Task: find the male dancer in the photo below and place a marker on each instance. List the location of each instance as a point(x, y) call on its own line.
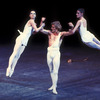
point(21, 42)
point(87, 38)
point(53, 55)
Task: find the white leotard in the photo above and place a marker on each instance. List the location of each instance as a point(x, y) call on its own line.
point(86, 36)
point(24, 37)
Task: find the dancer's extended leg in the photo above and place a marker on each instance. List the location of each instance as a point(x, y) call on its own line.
point(93, 45)
point(18, 49)
point(96, 40)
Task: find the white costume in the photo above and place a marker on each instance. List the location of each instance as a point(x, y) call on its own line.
point(20, 44)
point(88, 38)
point(25, 35)
point(53, 61)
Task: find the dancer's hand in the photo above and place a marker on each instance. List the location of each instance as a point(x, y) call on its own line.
point(43, 19)
point(70, 24)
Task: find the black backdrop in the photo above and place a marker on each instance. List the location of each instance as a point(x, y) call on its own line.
point(15, 14)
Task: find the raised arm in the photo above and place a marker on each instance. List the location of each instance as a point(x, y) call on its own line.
point(42, 20)
point(35, 27)
point(73, 29)
point(44, 31)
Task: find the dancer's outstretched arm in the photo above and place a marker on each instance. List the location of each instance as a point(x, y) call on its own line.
point(35, 27)
point(32, 23)
point(44, 31)
point(73, 29)
point(66, 33)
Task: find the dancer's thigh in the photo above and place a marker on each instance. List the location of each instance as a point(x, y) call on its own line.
point(49, 61)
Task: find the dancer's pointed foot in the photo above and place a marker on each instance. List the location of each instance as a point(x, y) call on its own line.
point(11, 72)
point(7, 72)
point(51, 88)
point(55, 91)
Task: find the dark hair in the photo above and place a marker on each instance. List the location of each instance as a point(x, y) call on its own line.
point(57, 25)
point(81, 10)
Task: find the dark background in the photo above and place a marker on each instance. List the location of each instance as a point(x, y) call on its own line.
point(15, 14)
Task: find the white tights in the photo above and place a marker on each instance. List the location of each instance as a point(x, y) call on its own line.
point(94, 44)
point(18, 50)
point(53, 61)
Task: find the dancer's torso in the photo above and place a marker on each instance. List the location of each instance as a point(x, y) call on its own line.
point(86, 36)
point(54, 40)
point(26, 34)
point(27, 31)
point(82, 28)
point(54, 45)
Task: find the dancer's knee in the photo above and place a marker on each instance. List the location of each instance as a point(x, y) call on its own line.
point(51, 71)
point(55, 72)
point(17, 56)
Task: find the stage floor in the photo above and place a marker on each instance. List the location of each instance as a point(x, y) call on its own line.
point(79, 80)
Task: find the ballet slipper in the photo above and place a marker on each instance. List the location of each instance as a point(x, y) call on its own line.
point(55, 91)
point(11, 72)
point(7, 72)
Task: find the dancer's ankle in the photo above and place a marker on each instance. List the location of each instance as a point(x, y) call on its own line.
point(51, 88)
point(7, 72)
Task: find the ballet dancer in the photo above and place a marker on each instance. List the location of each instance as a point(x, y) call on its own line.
point(21, 42)
point(87, 37)
point(53, 51)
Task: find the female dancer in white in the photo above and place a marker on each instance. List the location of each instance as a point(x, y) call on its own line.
point(21, 42)
point(53, 55)
point(88, 38)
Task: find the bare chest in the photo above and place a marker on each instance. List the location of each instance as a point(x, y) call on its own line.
point(53, 37)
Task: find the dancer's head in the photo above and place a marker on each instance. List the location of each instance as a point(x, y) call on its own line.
point(56, 26)
point(80, 13)
point(32, 14)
